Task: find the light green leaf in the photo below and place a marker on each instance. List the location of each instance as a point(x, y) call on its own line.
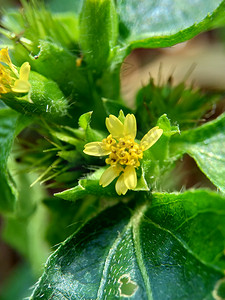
point(169, 248)
point(206, 144)
point(163, 23)
point(70, 155)
point(62, 136)
point(85, 120)
point(88, 186)
point(157, 160)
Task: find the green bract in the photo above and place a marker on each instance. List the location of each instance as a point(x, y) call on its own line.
point(98, 32)
point(44, 98)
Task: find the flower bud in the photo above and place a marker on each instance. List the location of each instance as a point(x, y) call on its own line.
point(98, 31)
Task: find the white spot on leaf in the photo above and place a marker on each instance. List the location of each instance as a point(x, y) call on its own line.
point(127, 287)
point(219, 290)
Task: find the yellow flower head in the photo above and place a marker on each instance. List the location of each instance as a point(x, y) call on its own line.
point(10, 79)
point(124, 153)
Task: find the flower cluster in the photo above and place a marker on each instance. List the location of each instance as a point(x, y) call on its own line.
point(10, 79)
point(124, 153)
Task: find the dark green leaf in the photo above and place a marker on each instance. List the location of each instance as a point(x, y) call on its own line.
point(206, 144)
point(113, 107)
point(65, 217)
point(163, 23)
point(170, 248)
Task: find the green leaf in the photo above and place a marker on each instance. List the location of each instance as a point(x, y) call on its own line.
point(88, 186)
point(163, 23)
point(206, 144)
point(65, 137)
point(93, 135)
point(113, 107)
point(8, 130)
point(57, 63)
point(157, 160)
point(168, 248)
point(85, 120)
point(65, 217)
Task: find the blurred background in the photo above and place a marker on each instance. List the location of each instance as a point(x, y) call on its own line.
point(201, 61)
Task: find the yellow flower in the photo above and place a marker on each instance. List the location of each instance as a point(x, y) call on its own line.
point(10, 79)
point(124, 153)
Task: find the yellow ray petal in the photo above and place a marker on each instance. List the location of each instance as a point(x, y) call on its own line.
point(110, 174)
point(115, 126)
point(120, 185)
point(130, 177)
point(25, 71)
point(151, 137)
point(130, 126)
point(4, 57)
point(21, 86)
point(95, 149)
point(5, 77)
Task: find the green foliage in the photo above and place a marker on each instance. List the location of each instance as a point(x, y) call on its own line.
point(8, 121)
point(69, 77)
point(164, 23)
point(11, 123)
point(147, 244)
point(184, 106)
point(28, 221)
point(206, 145)
point(160, 249)
point(87, 186)
point(21, 280)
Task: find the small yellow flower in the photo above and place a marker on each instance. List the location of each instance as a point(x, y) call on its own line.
point(124, 153)
point(10, 79)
